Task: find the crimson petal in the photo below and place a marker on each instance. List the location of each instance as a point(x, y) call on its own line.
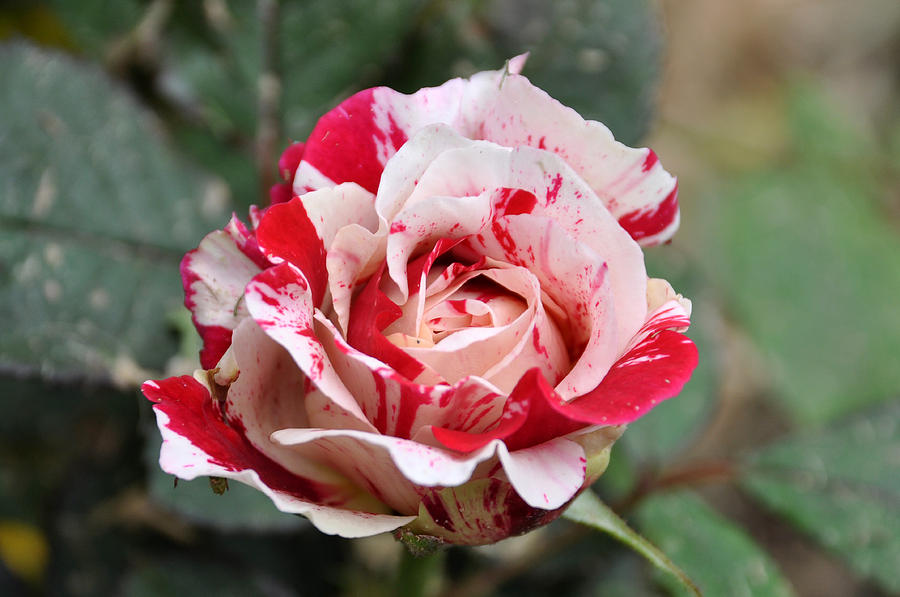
point(287, 232)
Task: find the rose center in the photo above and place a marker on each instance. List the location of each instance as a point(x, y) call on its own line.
point(476, 303)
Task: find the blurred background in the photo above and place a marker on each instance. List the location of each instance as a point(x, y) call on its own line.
point(130, 129)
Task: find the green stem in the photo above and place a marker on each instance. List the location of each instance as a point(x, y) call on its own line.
point(419, 576)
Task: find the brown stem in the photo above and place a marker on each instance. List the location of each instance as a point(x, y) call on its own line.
point(268, 132)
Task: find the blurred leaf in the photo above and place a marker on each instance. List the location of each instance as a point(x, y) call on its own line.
point(719, 556)
point(811, 267)
point(196, 577)
point(33, 21)
point(587, 509)
point(239, 508)
point(601, 57)
point(94, 24)
point(659, 436)
point(327, 51)
point(842, 486)
point(331, 49)
point(95, 214)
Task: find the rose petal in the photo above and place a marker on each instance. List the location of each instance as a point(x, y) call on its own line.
point(354, 141)
point(287, 233)
point(402, 174)
point(399, 407)
point(448, 201)
point(425, 223)
point(281, 303)
point(480, 512)
point(214, 276)
point(333, 208)
point(501, 354)
point(389, 466)
point(660, 292)
point(371, 312)
point(548, 475)
point(631, 182)
point(653, 370)
point(290, 160)
point(355, 254)
point(575, 276)
point(197, 442)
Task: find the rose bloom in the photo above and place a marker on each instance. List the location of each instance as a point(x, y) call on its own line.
point(442, 322)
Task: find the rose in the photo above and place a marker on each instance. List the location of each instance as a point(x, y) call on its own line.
point(445, 328)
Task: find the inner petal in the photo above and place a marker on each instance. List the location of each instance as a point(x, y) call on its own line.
point(509, 300)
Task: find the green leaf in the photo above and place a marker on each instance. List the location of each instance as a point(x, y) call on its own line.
point(330, 49)
point(719, 556)
point(587, 509)
point(809, 265)
point(241, 507)
point(95, 214)
point(327, 50)
point(842, 486)
point(95, 24)
point(600, 57)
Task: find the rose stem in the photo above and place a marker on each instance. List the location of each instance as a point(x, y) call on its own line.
point(419, 576)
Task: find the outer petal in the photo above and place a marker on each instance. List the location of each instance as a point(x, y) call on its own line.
point(548, 475)
point(197, 442)
point(480, 512)
point(654, 369)
point(214, 276)
point(286, 233)
point(354, 141)
point(631, 182)
point(374, 460)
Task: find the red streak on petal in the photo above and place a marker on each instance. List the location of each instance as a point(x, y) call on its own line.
point(437, 510)
point(286, 231)
point(411, 400)
point(245, 239)
point(506, 241)
point(344, 145)
point(380, 421)
point(536, 341)
point(553, 191)
point(216, 341)
point(370, 313)
point(649, 161)
point(515, 201)
point(647, 222)
point(193, 414)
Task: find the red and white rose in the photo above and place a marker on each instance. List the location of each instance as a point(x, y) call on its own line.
point(442, 322)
